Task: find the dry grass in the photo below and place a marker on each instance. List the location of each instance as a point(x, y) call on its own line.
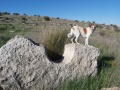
point(53, 39)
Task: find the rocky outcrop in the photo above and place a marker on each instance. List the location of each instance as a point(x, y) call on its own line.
point(24, 65)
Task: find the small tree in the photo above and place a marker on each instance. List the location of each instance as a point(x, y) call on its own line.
point(76, 21)
point(115, 27)
point(16, 14)
point(25, 14)
point(103, 24)
point(57, 18)
point(0, 14)
point(94, 22)
point(111, 24)
point(35, 15)
point(46, 18)
point(38, 15)
point(5, 13)
point(23, 19)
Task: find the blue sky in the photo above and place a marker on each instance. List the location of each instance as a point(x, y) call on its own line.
point(100, 11)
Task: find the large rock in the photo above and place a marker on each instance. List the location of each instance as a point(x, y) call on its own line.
point(25, 66)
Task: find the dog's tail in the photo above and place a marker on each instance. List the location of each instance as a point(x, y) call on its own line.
point(69, 35)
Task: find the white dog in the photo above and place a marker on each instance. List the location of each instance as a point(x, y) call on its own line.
point(85, 32)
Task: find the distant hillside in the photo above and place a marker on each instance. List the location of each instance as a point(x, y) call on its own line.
point(37, 21)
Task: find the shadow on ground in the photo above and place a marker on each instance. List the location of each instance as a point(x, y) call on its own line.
point(105, 62)
point(1, 88)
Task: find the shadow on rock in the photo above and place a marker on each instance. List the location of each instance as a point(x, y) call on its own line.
point(37, 44)
point(53, 56)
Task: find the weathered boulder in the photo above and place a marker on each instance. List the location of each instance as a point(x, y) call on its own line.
point(25, 66)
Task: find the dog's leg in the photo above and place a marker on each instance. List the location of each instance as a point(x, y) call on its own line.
point(86, 41)
point(76, 38)
point(72, 39)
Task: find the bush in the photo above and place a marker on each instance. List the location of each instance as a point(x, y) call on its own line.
point(23, 19)
point(46, 18)
point(5, 13)
point(16, 14)
point(93, 22)
point(38, 15)
point(25, 14)
point(57, 18)
point(102, 33)
point(76, 21)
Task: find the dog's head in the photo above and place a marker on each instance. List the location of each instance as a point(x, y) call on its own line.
point(93, 27)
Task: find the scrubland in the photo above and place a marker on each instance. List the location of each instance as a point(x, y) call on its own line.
point(52, 34)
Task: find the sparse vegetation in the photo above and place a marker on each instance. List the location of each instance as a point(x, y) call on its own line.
point(8, 31)
point(54, 38)
point(5, 13)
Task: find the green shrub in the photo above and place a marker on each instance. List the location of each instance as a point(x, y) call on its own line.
point(93, 22)
point(25, 14)
point(102, 33)
point(46, 18)
point(76, 21)
point(16, 14)
point(23, 18)
point(5, 13)
point(57, 18)
point(38, 15)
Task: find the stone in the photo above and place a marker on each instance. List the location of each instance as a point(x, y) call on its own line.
point(113, 88)
point(24, 65)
